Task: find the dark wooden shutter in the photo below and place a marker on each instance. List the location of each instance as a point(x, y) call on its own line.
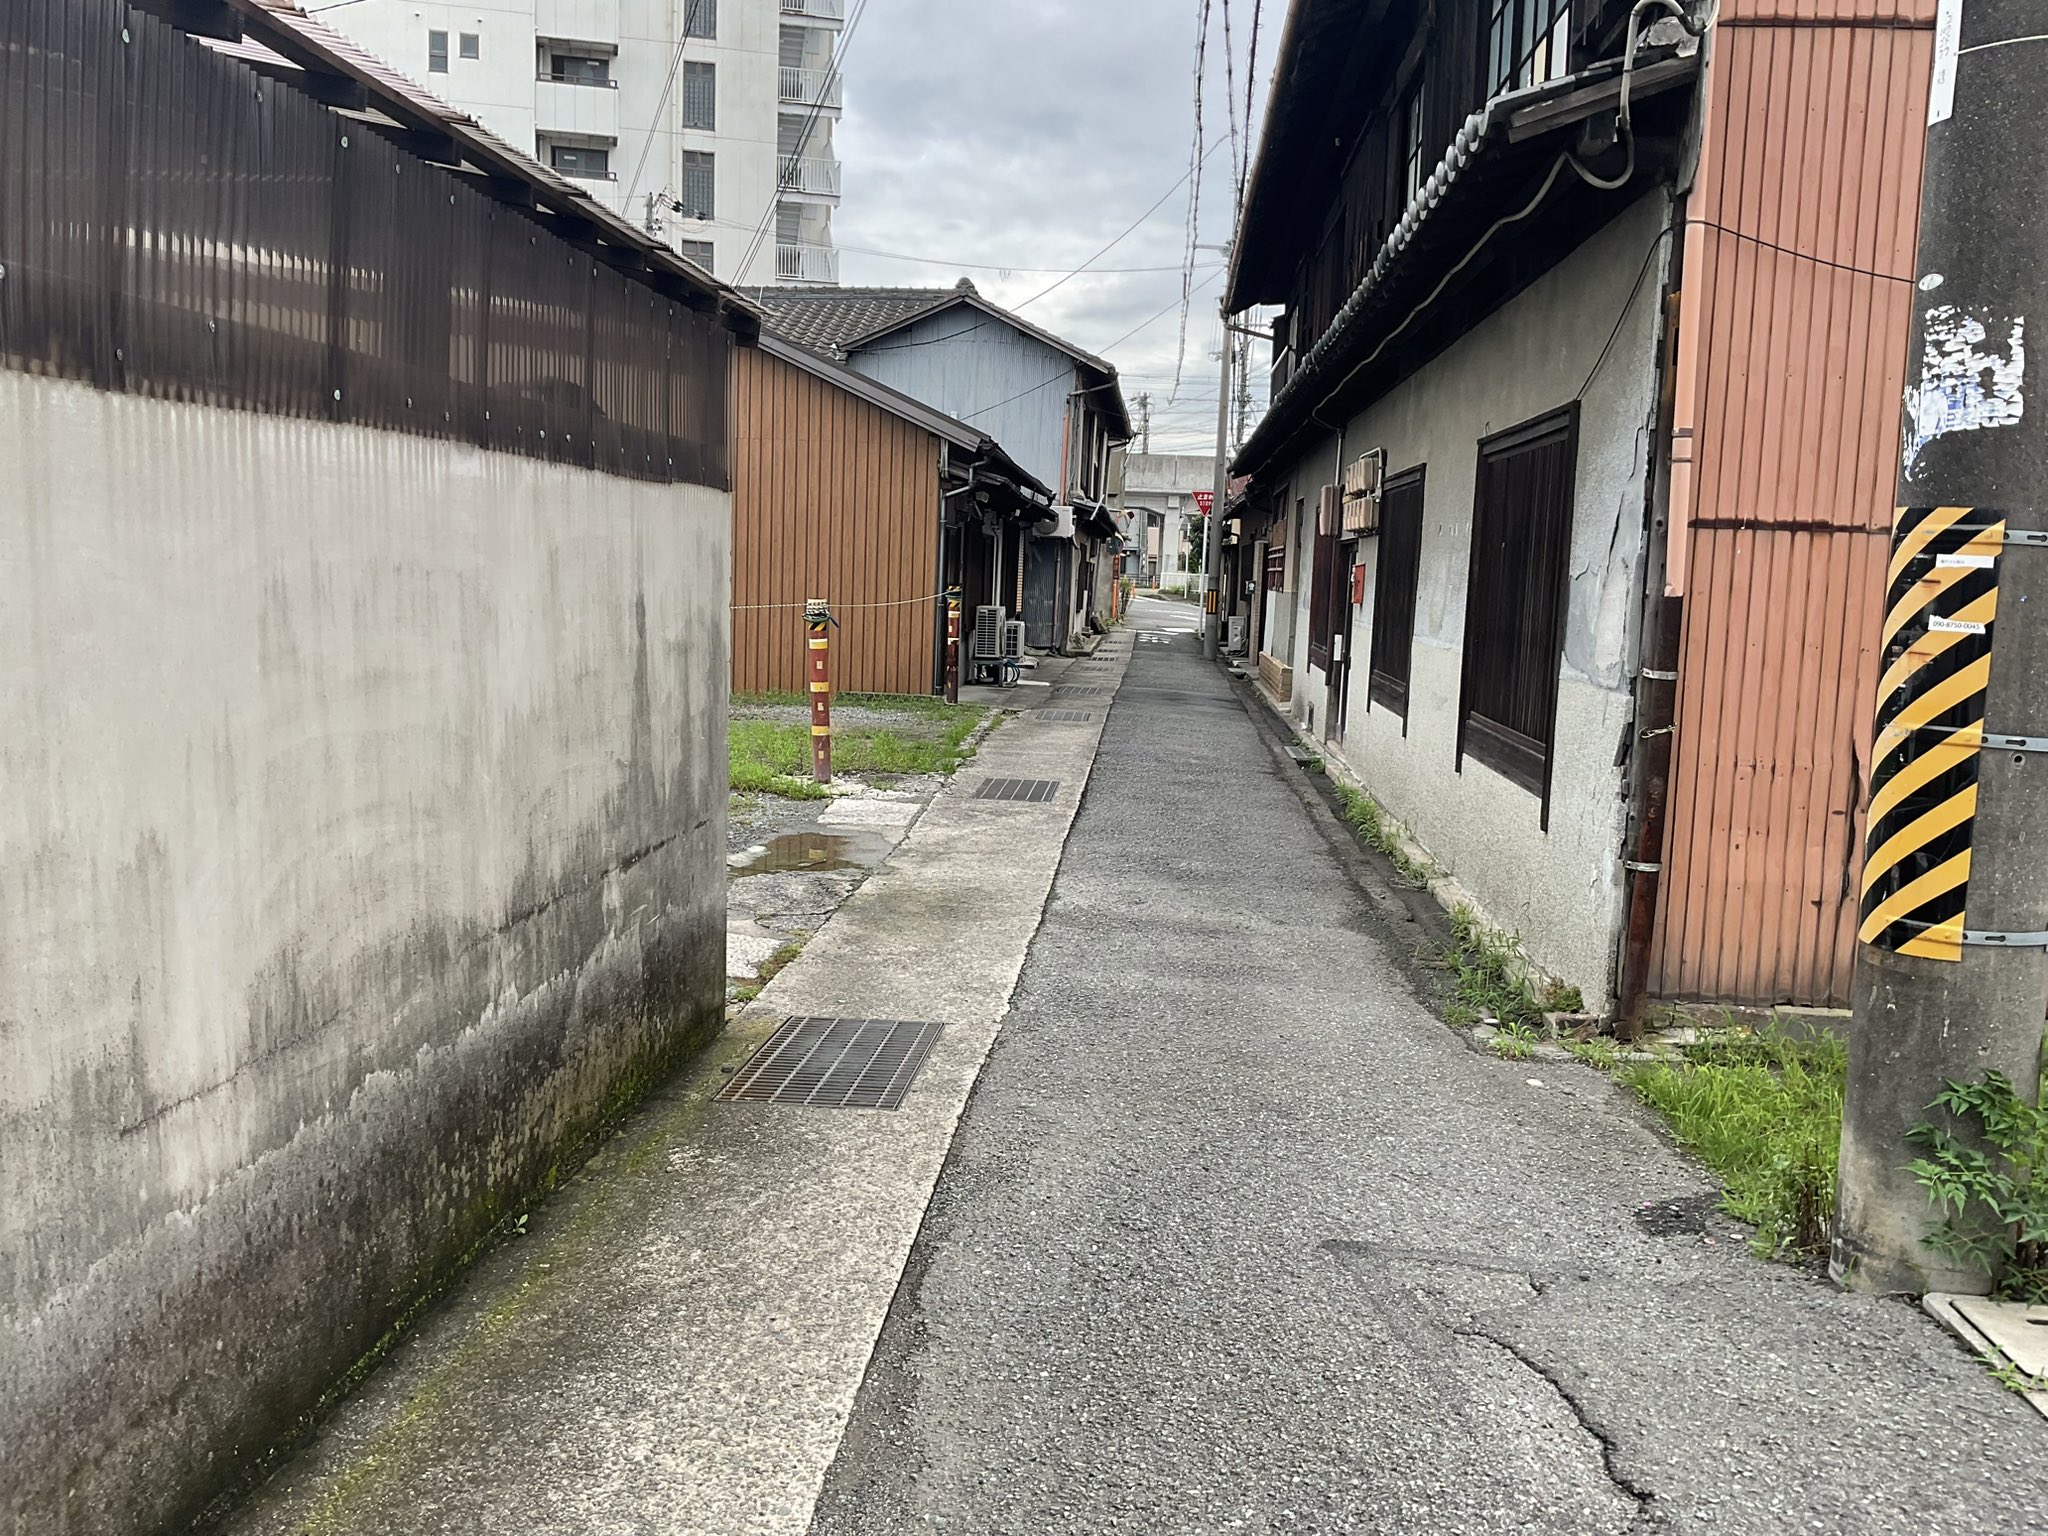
point(1515, 599)
point(1393, 603)
point(1323, 581)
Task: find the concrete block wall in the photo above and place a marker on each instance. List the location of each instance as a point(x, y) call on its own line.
point(363, 847)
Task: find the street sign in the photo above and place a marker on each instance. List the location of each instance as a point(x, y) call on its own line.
point(1203, 501)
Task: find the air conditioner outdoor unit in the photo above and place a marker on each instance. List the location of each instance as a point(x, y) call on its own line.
point(1362, 494)
point(988, 632)
point(1013, 638)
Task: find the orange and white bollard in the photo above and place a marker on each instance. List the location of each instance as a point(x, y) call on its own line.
point(952, 645)
point(818, 620)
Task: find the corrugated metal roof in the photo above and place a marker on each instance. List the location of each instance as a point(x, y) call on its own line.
point(280, 36)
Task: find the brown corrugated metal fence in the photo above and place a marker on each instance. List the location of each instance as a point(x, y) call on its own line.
point(833, 497)
point(1794, 316)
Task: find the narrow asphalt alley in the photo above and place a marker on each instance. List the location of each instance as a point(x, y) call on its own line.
point(1235, 1235)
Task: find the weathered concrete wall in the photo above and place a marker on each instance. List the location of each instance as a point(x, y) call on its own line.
point(362, 845)
point(1559, 890)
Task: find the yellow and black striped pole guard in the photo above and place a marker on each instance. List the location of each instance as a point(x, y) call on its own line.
point(1941, 605)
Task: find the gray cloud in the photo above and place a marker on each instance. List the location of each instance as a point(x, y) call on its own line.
point(996, 133)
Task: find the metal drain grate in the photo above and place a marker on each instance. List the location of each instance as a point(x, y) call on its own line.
point(1027, 791)
point(1079, 692)
point(1067, 716)
point(835, 1064)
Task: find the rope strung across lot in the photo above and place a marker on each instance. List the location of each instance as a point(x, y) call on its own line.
point(901, 602)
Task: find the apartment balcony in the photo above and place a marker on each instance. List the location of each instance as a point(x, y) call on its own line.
point(808, 176)
point(585, 110)
point(831, 12)
point(810, 88)
point(803, 263)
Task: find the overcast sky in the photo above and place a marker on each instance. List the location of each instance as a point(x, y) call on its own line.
point(1017, 136)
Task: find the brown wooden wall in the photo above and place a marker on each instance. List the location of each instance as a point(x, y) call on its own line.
point(1794, 316)
point(835, 498)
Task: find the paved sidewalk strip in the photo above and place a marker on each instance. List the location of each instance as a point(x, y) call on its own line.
point(675, 1348)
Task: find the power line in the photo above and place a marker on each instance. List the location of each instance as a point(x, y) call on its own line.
point(1196, 156)
point(1135, 223)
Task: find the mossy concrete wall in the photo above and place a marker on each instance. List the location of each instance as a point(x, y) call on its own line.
point(363, 846)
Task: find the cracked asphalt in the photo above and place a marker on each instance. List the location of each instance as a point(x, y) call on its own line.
point(1235, 1235)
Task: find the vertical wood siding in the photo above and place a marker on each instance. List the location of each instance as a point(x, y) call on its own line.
point(835, 498)
point(1798, 262)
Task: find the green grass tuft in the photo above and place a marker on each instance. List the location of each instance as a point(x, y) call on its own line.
point(1369, 822)
point(1764, 1111)
point(773, 757)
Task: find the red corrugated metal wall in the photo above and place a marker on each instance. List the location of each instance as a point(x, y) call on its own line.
point(1792, 337)
point(833, 497)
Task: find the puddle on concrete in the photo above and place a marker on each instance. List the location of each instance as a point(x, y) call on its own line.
point(813, 853)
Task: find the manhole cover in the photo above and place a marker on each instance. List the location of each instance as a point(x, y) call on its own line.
point(1031, 791)
point(1067, 716)
point(835, 1064)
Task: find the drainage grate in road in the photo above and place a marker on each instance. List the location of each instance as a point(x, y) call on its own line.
point(835, 1064)
point(1078, 691)
point(1026, 791)
point(1067, 716)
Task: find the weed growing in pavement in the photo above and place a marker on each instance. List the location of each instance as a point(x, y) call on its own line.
point(1599, 1054)
point(1517, 1042)
point(2013, 1379)
point(1764, 1111)
point(746, 992)
point(1369, 822)
point(1991, 1190)
point(1486, 980)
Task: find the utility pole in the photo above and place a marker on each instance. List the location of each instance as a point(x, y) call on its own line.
point(1952, 976)
point(1212, 552)
point(1145, 422)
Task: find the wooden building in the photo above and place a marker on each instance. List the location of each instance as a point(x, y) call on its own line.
point(1570, 513)
point(847, 490)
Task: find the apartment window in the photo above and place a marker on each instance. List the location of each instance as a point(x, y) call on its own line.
point(698, 251)
point(1393, 593)
point(700, 18)
point(437, 53)
point(1515, 599)
point(579, 69)
point(1527, 43)
point(789, 224)
point(1413, 167)
point(581, 161)
point(700, 95)
point(792, 47)
point(471, 45)
point(700, 185)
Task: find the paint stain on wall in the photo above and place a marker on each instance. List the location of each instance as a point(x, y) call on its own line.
point(1962, 387)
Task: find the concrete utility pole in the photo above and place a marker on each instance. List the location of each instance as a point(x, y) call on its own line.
point(1952, 979)
point(1212, 551)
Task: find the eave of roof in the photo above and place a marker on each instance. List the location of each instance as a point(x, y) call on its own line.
point(1317, 47)
point(1525, 124)
point(279, 37)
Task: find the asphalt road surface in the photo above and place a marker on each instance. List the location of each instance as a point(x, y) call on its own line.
point(1235, 1235)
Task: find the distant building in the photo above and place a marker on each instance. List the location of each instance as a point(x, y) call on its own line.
point(707, 122)
point(1057, 411)
point(1162, 494)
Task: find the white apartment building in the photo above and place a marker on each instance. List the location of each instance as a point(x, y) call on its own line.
point(709, 122)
